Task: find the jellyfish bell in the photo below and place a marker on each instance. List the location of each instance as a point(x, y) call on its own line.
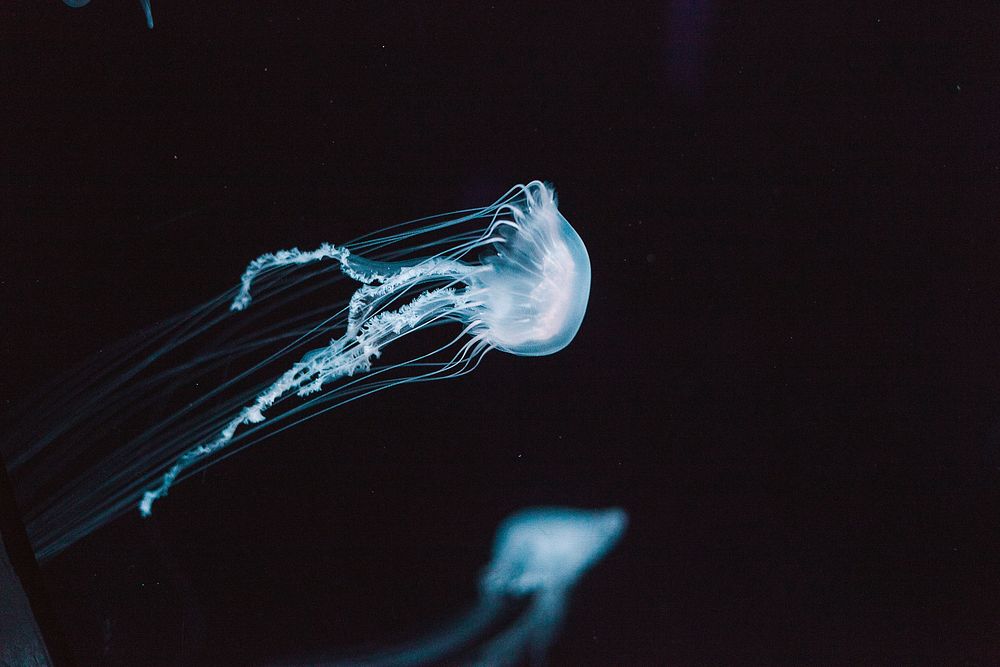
point(538, 285)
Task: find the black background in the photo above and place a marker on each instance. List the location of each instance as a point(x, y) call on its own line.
point(787, 376)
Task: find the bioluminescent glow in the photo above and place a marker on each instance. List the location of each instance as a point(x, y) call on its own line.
point(538, 557)
point(512, 276)
point(146, 9)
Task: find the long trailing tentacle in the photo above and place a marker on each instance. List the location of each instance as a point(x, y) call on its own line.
point(75, 474)
point(273, 260)
point(346, 356)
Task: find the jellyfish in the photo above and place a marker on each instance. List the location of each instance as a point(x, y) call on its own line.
point(512, 276)
point(539, 555)
point(146, 9)
point(527, 298)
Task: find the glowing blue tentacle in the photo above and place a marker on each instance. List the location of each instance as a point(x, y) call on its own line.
point(294, 256)
point(343, 357)
point(364, 300)
point(361, 269)
point(436, 648)
point(532, 633)
point(147, 10)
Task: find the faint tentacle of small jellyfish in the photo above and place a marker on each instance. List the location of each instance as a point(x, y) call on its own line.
point(538, 557)
point(148, 12)
point(520, 285)
point(143, 3)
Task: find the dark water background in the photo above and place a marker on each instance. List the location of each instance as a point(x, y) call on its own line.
point(788, 375)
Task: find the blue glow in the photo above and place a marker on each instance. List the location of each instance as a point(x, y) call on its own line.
point(542, 553)
point(512, 276)
point(539, 555)
point(146, 9)
point(148, 12)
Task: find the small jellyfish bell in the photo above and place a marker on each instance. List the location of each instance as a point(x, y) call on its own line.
point(550, 548)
